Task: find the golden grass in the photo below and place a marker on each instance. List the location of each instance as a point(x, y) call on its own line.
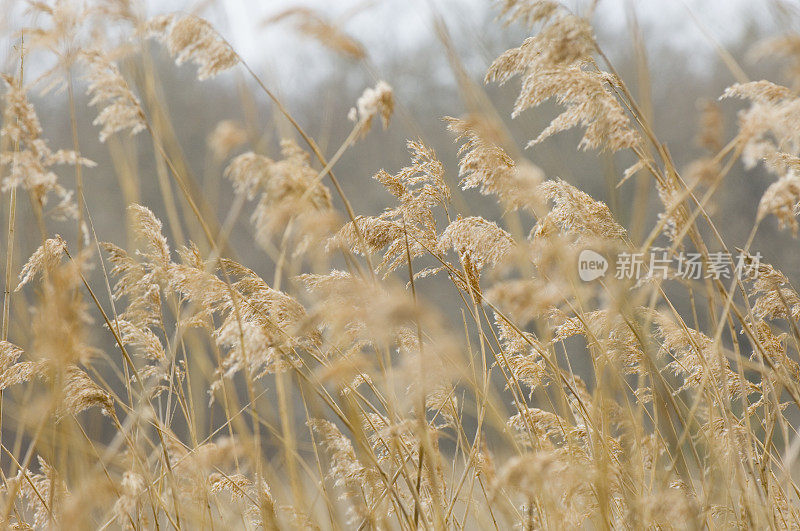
point(337, 394)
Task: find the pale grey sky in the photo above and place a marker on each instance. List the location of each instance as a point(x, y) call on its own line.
point(404, 22)
point(393, 28)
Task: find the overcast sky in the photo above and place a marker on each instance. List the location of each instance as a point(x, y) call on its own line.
point(393, 28)
point(395, 24)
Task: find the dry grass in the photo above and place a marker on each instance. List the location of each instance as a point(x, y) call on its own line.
point(336, 394)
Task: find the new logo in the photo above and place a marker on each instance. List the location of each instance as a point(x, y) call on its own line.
point(591, 265)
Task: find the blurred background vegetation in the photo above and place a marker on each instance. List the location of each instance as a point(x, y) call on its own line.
point(694, 50)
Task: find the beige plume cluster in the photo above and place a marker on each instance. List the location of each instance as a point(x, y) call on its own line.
point(434, 362)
